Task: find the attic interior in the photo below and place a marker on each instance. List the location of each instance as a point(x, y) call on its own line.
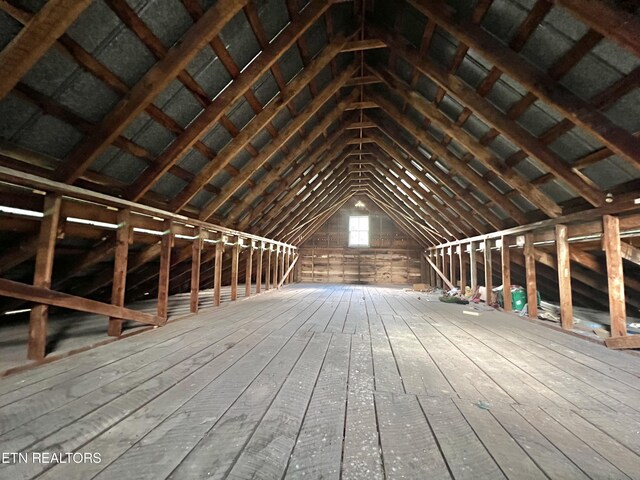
point(303, 167)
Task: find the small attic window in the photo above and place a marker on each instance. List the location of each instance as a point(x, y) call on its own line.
point(358, 231)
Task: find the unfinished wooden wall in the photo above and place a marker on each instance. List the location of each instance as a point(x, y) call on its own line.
point(392, 257)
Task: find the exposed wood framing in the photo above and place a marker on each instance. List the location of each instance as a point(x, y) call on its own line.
point(118, 288)
point(611, 245)
point(564, 276)
point(42, 276)
point(505, 254)
point(532, 285)
point(166, 245)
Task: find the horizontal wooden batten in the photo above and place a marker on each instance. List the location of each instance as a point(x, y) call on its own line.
point(29, 293)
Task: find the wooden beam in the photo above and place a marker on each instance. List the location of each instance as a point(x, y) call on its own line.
point(240, 86)
point(148, 87)
point(473, 264)
point(530, 267)
point(628, 341)
point(274, 280)
point(482, 153)
point(118, 288)
point(289, 270)
point(360, 45)
point(267, 270)
point(166, 244)
point(217, 274)
point(629, 252)
point(39, 316)
point(196, 264)
point(35, 39)
point(539, 83)
point(501, 122)
point(285, 135)
point(564, 276)
point(610, 20)
point(613, 252)
point(439, 272)
point(463, 268)
point(488, 271)
point(259, 261)
point(248, 269)
point(235, 264)
point(29, 293)
point(281, 270)
point(506, 273)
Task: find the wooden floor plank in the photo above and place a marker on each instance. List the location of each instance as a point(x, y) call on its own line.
point(318, 449)
point(463, 451)
point(271, 444)
point(409, 449)
point(332, 381)
point(361, 455)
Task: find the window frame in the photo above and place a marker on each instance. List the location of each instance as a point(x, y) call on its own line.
point(359, 231)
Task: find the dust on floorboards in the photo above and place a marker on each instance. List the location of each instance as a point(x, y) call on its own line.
point(331, 381)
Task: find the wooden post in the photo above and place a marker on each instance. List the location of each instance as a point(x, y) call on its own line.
point(118, 289)
point(463, 267)
point(530, 267)
point(473, 265)
point(452, 265)
point(506, 273)
point(274, 279)
point(165, 266)
point(267, 270)
point(259, 267)
point(248, 268)
point(235, 261)
point(432, 272)
point(613, 251)
point(439, 267)
point(564, 277)
point(488, 270)
point(196, 260)
point(281, 269)
point(445, 265)
point(217, 270)
point(39, 315)
point(288, 264)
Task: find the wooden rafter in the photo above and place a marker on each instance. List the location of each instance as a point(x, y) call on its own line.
point(539, 83)
point(149, 86)
point(35, 39)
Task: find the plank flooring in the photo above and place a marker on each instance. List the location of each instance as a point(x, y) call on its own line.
point(72, 331)
point(329, 382)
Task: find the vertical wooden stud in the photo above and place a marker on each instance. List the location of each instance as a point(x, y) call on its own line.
point(118, 288)
point(564, 277)
point(439, 267)
point(267, 270)
point(432, 272)
point(530, 267)
point(39, 315)
point(288, 264)
point(259, 261)
point(235, 263)
point(217, 270)
point(274, 279)
point(506, 273)
point(488, 270)
point(613, 251)
point(473, 265)
point(248, 269)
point(452, 265)
point(463, 267)
point(166, 244)
point(281, 269)
point(445, 265)
point(196, 260)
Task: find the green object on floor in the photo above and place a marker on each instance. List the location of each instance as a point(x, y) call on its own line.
point(518, 298)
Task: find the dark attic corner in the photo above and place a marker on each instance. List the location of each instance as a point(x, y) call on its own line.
point(349, 239)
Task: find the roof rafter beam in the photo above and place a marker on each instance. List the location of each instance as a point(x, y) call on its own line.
point(536, 196)
point(289, 131)
point(434, 173)
point(242, 83)
point(539, 83)
point(478, 105)
point(35, 39)
point(147, 88)
point(454, 163)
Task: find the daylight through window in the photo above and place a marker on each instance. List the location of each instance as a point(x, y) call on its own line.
point(359, 231)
